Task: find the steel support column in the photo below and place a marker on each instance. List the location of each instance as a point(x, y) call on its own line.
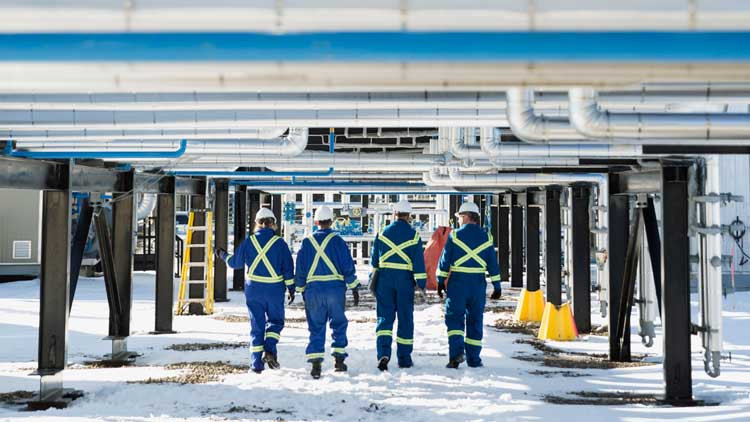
point(365, 224)
point(553, 244)
point(516, 242)
point(454, 203)
point(532, 245)
point(676, 284)
point(276, 208)
point(240, 232)
point(619, 226)
point(165, 256)
point(221, 218)
point(123, 223)
point(254, 204)
point(81, 235)
point(503, 243)
point(581, 257)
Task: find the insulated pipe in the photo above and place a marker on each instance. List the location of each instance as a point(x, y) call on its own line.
point(85, 135)
point(146, 204)
point(654, 128)
point(533, 128)
point(710, 287)
point(491, 145)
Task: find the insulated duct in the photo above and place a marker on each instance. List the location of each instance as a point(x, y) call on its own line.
point(655, 128)
point(146, 205)
point(533, 128)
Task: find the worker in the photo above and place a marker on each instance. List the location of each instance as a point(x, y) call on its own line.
point(270, 270)
point(325, 269)
point(467, 255)
point(398, 259)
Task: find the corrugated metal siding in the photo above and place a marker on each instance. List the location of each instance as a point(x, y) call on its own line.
point(735, 178)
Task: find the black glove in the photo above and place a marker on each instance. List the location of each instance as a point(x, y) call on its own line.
point(290, 296)
point(221, 253)
point(441, 289)
point(355, 295)
point(496, 294)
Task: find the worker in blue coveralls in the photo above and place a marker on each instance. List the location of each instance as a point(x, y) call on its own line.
point(270, 271)
point(468, 254)
point(398, 258)
point(325, 269)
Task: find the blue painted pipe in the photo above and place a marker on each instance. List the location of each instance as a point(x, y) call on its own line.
point(252, 173)
point(383, 46)
point(123, 155)
point(331, 140)
point(315, 183)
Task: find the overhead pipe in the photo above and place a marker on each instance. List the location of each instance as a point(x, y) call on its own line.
point(655, 128)
point(246, 174)
point(97, 135)
point(491, 144)
point(534, 128)
point(112, 155)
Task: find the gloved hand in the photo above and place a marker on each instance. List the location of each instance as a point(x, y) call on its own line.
point(290, 295)
point(421, 296)
point(441, 289)
point(496, 294)
point(355, 295)
point(221, 253)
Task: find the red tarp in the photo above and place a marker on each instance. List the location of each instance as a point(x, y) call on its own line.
point(432, 252)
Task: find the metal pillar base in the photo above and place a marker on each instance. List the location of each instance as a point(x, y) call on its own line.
point(120, 353)
point(51, 392)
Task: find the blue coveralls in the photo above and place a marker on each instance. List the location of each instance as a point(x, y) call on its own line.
point(398, 256)
point(325, 269)
point(467, 255)
point(270, 269)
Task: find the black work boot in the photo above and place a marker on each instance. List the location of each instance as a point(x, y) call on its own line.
point(340, 366)
point(383, 363)
point(454, 362)
point(316, 369)
point(270, 360)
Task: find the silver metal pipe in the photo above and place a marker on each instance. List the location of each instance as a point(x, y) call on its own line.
point(85, 135)
point(491, 145)
point(533, 128)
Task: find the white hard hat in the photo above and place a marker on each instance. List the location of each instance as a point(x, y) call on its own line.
point(468, 207)
point(323, 213)
point(264, 213)
point(402, 206)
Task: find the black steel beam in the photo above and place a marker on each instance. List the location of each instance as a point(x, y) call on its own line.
point(619, 225)
point(516, 241)
point(503, 243)
point(165, 259)
point(478, 199)
point(254, 204)
point(240, 232)
point(532, 246)
point(581, 257)
point(221, 218)
point(276, 208)
point(365, 224)
point(553, 245)
point(81, 235)
point(654, 245)
point(632, 257)
point(676, 284)
point(196, 291)
point(696, 149)
point(106, 258)
point(54, 293)
point(454, 203)
point(123, 218)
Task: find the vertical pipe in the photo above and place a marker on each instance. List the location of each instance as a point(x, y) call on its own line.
point(240, 232)
point(619, 226)
point(503, 247)
point(711, 292)
point(553, 245)
point(532, 245)
point(516, 242)
point(581, 257)
point(676, 284)
point(165, 256)
point(221, 227)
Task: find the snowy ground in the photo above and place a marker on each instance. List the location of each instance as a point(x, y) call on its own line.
point(505, 389)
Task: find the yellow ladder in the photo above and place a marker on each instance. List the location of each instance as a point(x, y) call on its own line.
point(207, 264)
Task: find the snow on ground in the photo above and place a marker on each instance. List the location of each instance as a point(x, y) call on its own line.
point(503, 390)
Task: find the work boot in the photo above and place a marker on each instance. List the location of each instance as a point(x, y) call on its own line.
point(340, 366)
point(383, 363)
point(454, 362)
point(256, 370)
point(316, 369)
point(270, 359)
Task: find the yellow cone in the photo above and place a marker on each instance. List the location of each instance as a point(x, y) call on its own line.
point(530, 306)
point(557, 323)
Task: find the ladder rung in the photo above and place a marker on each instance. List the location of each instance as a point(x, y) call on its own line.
point(197, 245)
point(197, 228)
point(196, 264)
point(195, 281)
point(193, 300)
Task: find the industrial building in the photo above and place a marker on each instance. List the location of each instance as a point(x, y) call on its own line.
point(605, 144)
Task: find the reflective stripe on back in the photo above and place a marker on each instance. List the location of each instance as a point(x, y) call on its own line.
point(321, 254)
point(397, 250)
point(261, 256)
point(471, 253)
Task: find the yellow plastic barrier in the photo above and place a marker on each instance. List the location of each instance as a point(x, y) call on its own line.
point(530, 306)
point(558, 323)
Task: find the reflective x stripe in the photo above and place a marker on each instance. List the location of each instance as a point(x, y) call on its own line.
point(473, 342)
point(261, 256)
point(398, 250)
point(406, 341)
point(321, 254)
point(388, 333)
point(471, 253)
point(271, 334)
point(455, 333)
